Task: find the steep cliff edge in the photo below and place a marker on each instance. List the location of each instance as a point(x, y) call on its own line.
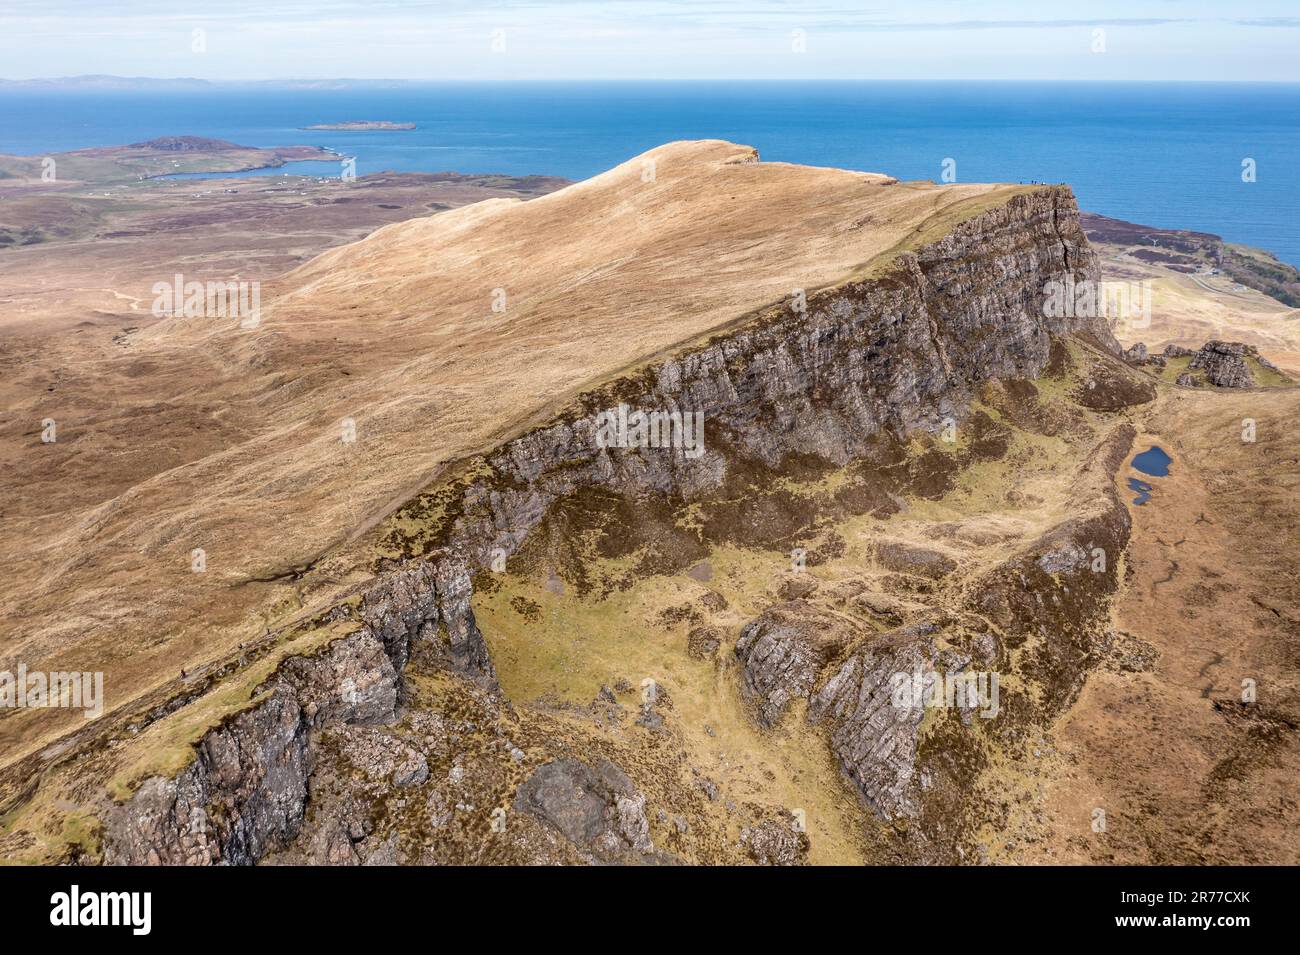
point(827, 380)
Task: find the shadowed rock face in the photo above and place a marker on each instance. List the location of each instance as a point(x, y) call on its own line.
point(902, 352)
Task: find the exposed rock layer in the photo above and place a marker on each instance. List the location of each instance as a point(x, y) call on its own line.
point(246, 790)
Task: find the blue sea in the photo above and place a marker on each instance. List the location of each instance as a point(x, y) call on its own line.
point(1165, 155)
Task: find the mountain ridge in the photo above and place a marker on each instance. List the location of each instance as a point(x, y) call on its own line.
point(1022, 241)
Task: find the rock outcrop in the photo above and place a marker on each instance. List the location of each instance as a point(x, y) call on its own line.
point(776, 842)
point(900, 353)
point(1136, 354)
point(874, 738)
point(245, 792)
point(596, 808)
point(1224, 364)
point(783, 651)
point(873, 691)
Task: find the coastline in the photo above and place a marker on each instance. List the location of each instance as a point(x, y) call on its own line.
point(248, 172)
point(1096, 136)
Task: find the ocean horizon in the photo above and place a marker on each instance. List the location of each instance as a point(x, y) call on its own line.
point(1168, 155)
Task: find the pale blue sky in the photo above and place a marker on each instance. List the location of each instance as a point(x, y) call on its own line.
point(653, 39)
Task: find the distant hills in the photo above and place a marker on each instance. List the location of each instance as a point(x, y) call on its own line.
point(105, 83)
point(183, 84)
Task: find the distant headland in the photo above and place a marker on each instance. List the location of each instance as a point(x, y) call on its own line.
point(363, 124)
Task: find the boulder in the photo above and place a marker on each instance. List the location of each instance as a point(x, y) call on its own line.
point(796, 585)
point(776, 842)
point(595, 807)
point(1136, 354)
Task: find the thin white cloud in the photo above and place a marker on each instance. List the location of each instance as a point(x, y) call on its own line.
point(447, 39)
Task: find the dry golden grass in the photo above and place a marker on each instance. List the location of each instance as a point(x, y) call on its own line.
point(1213, 591)
point(240, 452)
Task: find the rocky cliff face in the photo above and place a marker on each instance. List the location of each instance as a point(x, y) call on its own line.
point(894, 354)
point(246, 791)
point(891, 354)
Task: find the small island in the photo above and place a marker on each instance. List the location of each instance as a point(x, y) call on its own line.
point(363, 125)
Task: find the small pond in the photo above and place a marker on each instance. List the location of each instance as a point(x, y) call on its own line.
point(1153, 462)
point(1143, 490)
